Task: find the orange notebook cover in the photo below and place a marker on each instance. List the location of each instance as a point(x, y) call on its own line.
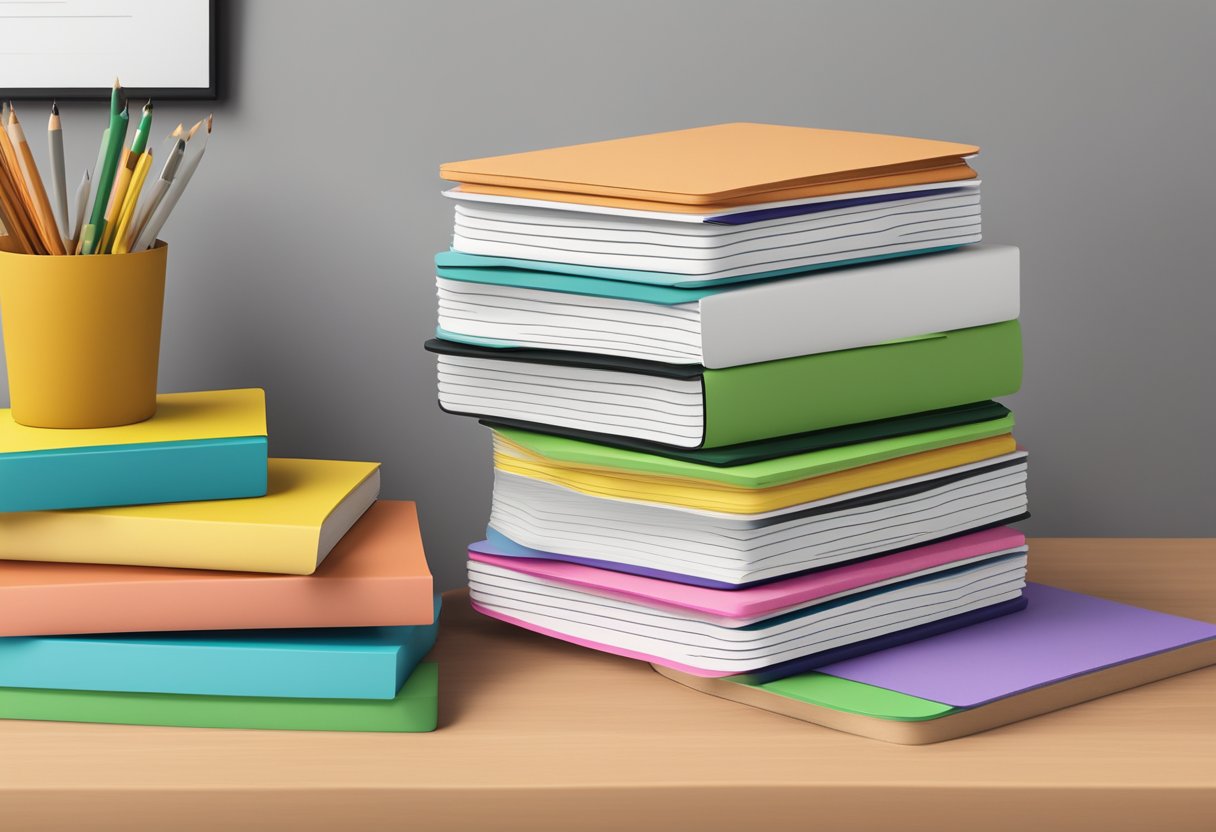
point(377, 575)
point(716, 166)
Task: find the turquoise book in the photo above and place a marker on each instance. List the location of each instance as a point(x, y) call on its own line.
point(331, 663)
point(199, 446)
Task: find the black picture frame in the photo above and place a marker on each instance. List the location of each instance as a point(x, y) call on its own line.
point(208, 93)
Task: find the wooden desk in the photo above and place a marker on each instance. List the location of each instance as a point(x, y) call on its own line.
point(536, 734)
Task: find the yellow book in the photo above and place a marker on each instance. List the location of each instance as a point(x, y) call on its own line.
point(310, 504)
point(706, 495)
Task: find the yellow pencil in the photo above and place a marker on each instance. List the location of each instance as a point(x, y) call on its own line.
point(121, 242)
point(126, 172)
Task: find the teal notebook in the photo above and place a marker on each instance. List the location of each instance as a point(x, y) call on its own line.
point(624, 284)
point(335, 663)
point(198, 446)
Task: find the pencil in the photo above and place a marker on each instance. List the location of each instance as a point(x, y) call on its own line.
point(115, 137)
point(59, 179)
point(11, 215)
point(101, 160)
point(120, 243)
point(82, 204)
point(173, 158)
point(16, 217)
point(43, 212)
point(189, 165)
point(140, 141)
point(126, 175)
point(12, 170)
point(126, 172)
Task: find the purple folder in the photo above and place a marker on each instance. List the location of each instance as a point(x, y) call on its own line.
point(1061, 634)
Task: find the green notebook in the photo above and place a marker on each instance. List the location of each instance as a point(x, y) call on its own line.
point(781, 446)
point(413, 710)
point(690, 407)
point(762, 474)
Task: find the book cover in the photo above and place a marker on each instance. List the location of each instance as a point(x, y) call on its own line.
point(414, 709)
point(332, 663)
point(310, 504)
point(376, 576)
point(199, 446)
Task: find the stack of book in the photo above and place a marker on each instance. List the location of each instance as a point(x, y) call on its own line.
point(740, 384)
point(169, 573)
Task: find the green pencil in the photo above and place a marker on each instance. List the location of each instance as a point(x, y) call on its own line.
point(119, 120)
point(141, 133)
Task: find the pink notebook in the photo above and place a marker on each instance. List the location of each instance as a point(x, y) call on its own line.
point(739, 607)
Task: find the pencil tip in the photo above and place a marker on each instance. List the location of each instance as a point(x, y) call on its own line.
point(54, 108)
point(148, 106)
point(116, 84)
point(210, 117)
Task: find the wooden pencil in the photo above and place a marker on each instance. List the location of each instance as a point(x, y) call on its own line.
point(24, 204)
point(11, 216)
point(43, 213)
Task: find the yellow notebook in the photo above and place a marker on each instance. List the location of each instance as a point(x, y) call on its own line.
point(719, 166)
point(309, 506)
point(687, 492)
point(180, 417)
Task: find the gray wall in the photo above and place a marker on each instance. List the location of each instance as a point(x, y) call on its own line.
point(301, 260)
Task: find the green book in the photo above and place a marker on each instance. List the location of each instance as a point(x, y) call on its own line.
point(413, 710)
point(690, 407)
point(763, 473)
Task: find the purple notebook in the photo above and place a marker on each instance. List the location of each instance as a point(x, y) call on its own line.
point(1061, 634)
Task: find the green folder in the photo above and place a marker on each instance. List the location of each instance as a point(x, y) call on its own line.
point(855, 697)
point(814, 392)
point(413, 710)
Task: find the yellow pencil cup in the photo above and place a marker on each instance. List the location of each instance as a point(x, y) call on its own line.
point(82, 336)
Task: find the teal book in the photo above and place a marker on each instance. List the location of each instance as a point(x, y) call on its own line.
point(199, 446)
point(334, 663)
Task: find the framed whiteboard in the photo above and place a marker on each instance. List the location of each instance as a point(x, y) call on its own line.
point(73, 49)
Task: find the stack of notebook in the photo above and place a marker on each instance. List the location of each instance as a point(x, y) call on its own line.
point(740, 384)
point(169, 573)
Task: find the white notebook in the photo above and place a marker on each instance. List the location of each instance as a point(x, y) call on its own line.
point(717, 250)
point(738, 549)
point(653, 408)
point(747, 323)
point(673, 637)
